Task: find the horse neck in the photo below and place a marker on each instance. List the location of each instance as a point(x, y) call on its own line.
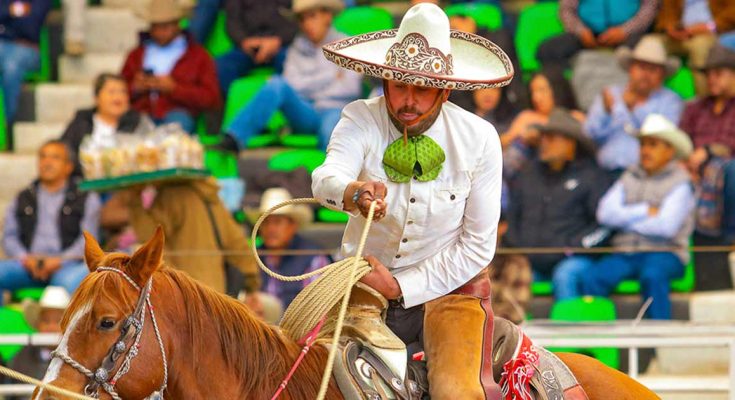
point(259, 361)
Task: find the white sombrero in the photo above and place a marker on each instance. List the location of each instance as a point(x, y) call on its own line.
point(423, 51)
point(300, 213)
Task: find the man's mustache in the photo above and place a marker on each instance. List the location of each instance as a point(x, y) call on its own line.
point(409, 110)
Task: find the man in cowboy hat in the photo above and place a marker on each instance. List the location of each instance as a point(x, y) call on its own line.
point(312, 91)
point(559, 191)
point(434, 172)
point(619, 110)
point(169, 75)
point(650, 206)
point(45, 317)
point(279, 233)
point(710, 122)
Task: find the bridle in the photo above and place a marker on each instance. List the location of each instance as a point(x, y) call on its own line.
point(127, 344)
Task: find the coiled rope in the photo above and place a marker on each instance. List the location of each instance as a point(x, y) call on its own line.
point(316, 300)
point(51, 388)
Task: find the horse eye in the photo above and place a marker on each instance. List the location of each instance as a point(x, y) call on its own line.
point(106, 324)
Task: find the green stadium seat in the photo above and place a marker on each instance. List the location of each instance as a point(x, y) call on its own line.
point(241, 93)
point(363, 19)
point(12, 322)
point(43, 74)
point(300, 141)
point(682, 82)
point(486, 16)
point(289, 160)
point(586, 309)
point(536, 23)
point(3, 124)
point(335, 217)
point(31, 293)
point(221, 164)
point(219, 42)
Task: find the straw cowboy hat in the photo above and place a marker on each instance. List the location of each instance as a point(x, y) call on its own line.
point(649, 49)
point(563, 123)
point(720, 56)
point(300, 6)
point(162, 11)
point(423, 51)
point(658, 126)
point(53, 297)
point(271, 197)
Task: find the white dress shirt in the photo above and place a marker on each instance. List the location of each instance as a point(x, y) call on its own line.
point(436, 235)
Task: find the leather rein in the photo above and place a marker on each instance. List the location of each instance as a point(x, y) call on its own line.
point(127, 345)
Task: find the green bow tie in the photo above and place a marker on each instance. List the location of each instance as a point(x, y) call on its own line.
point(421, 157)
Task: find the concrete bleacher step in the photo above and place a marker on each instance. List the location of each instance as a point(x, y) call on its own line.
point(111, 30)
point(59, 102)
point(29, 136)
point(16, 172)
point(86, 68)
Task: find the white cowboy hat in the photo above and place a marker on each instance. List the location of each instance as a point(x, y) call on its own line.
point(300, 213)
point(53, 297)
point(162, 11)
point(658, 126)
point(423, 51)
point(299, 6)
point(649, 49)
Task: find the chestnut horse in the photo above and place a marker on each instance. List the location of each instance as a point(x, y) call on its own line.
point(198, 344)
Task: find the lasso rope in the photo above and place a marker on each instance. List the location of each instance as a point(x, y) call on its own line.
point(320, 297)
point(51, 388)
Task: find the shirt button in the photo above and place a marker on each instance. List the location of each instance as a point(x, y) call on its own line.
point(413, 200)
point(404, 240)
point(452, 197)
point(398, 256)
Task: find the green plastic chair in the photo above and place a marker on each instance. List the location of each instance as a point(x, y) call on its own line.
point(12, 322)
point(363, 19)
point(682, 82)
point(586, 309)
point(487, 16)
point(289, 160)
point(536, 23)
point(3, 124)
point(43, 74)
point(241, 93)
point(220, 164)
point(685, 284)
point(30, 293)
point(219, 42)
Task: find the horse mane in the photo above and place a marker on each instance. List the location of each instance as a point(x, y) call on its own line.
point(260, 354)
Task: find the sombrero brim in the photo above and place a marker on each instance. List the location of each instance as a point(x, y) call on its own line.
point(301, 214)
point(625, 57)
point(477, 62)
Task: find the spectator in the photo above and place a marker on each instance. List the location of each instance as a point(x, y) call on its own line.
point(194, 220)
point(43, 226)
point(554, 201)
point(312, 90)
point(110, 115)
point(44, 317)
point(170, 77)
point(597, 23)
point(20, 31)
point(710, 122)
point(261, 34)
point(691, 28)
point(548, 89)
point(203, 19)
point(511, 278)
point(650, 206)
point(619, 110)
point(279, 233)
point(494, 107)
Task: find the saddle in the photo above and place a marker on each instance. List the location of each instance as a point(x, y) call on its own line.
point(372, 363)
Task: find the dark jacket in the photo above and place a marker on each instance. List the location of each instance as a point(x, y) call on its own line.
point(670, 12)
point(556, 209)
point(27, 27)
point(83, 125)
point(197, 87)
point(247, 18)
point(290, 266)
point(69, 220)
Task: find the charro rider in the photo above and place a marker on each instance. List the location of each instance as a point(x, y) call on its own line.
point(435, 172)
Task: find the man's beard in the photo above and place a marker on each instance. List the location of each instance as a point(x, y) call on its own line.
point(414, 130)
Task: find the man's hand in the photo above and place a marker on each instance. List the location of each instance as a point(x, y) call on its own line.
point(608, 101)
point(381, 280)
point(165, 83)
point(630, 99)
point(613, 36)
point(677, 34)
point(50, 266)
point(30, 263)
point(369, 192)
point(141, 82)
point(587, 38)
point(269, 47)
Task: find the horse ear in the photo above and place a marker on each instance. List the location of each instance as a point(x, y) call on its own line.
point(93, 253)
point(146, 260)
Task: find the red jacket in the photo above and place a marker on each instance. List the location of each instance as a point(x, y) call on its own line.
point(197, 87)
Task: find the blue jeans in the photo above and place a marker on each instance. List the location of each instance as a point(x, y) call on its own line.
point(203, 18)
point(654, 271)
point(568, 274)
point(728, 217)
point(15, 62)
point(276, 95)
point(237, 63)
point(179, 116)
point(14, 276)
